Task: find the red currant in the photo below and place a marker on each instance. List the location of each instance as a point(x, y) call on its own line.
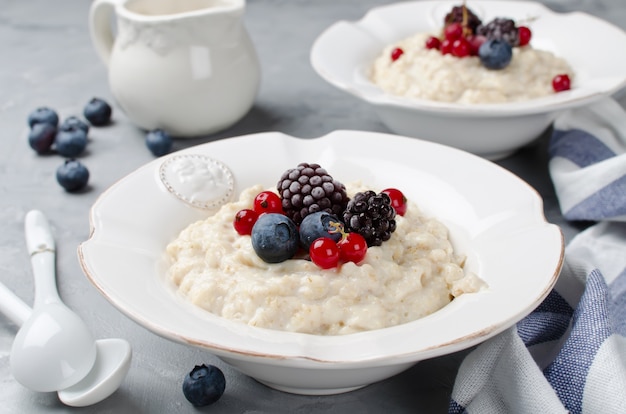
point(352, 248)
point(523, 34)
point(267, 202)
point(244, 221)
point(324, 252)
point(453, 31)
point(561, 83)
point(461, 48)
point(433, 43)
point(475, 43)
point(446, 47)
point(398, 200)
point(396, 53)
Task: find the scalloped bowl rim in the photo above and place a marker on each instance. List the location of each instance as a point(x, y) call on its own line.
point(122, 256)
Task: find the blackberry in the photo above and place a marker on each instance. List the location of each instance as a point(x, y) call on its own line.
point(372, 216)
point(309, 188)
point(463, 15)
point(500, 29)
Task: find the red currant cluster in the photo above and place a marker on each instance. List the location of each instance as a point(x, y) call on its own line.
point(264, 202)
point(325, 252)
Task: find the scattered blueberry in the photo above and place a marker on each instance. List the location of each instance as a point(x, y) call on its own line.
point(275, 237)
point(74, 121)
point(158, 142)
point(495, 54)
point(41, 137)
point(70, 142)
point(72, 175)
point(204, 385)
point(319, 224)
point(43, 115)
point(98, 112)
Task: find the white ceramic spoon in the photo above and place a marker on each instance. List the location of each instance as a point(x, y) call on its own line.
point(54, 350)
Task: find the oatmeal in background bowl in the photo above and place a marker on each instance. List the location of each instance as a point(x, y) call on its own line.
point(456, 99)
point(469, 61)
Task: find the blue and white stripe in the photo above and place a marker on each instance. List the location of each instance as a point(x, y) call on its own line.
point(588, 162)
point(569, 354)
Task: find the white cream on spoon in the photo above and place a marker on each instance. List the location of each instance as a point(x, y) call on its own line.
point(54, 350)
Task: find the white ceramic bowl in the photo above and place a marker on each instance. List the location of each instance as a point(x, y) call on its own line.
point(343, 54)
point(495, 218)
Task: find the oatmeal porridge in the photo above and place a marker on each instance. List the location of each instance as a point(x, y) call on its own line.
point(411, 275)
point(428, 74)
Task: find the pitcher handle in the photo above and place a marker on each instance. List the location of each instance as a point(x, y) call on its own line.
point(100, 27)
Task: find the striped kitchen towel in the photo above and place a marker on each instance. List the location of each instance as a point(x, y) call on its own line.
point(569, 354)
point(588, 162)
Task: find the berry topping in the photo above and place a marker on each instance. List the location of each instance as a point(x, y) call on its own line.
point(396, 53)
point(204, 385)
point(495, 54)
point(43, 115)
point(372, 216)
point(500, 29)
point(324, 252)
point(98, 112)
point(461, 48)
point(524, 34)
point(308, 188)
point(453, 31)
point(71, 141)
point(446, 47)
point(320, 224)
point(561, 83)
point(244, 221)
point(433, 43)
point(72, 175)
point(41, 137)
point(275, 237)
point(463, 15)
point(475, 43)
point(267, 202)
point(158, 142)
point(352, 248)
point(398, 200)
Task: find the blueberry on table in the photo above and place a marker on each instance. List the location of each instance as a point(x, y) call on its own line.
point(41, 137)
point(98, 112)
point(495, 54)
point(275, 237)
point(204, 385)
point(43, 115)
point(71, 141)
point(74, 121)
point(72, 175)
point(158, 142)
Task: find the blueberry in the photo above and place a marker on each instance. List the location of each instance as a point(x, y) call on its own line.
point(98, 112)
point(72, 175)
point(204, 385)
point(275, 237)
point(74, 121)
point(70, 142)
point(43, 115)
point(158, 142)
point(319, 224)
point(41, 137)
point(495, 54)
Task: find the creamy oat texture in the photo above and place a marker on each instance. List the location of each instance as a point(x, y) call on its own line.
point(410, 276)
point(427, 74)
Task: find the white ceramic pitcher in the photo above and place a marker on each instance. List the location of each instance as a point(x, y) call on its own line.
point(185, 66)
